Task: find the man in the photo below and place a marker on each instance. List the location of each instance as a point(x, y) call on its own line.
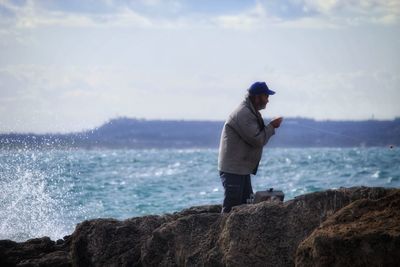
point(242, 140)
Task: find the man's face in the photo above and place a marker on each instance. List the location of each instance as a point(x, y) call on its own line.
point(262, 101)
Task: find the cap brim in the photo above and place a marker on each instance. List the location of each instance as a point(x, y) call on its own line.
point(270, 92)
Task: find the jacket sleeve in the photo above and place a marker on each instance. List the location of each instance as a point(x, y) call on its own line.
point(248, 129)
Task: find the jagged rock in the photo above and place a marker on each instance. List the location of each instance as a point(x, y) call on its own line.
point(34, 252)
point(109, 242)
point(182, 242)
point(53, 259)
point(263, 234)
point(364, 233)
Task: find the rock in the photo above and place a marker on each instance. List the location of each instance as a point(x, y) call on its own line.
point(34, 252)
point(56, 258)
point(183, 242)
point(263, 234)
point(108, 242)
point(364, 233)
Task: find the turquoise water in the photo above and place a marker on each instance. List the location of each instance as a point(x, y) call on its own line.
point(47, 192)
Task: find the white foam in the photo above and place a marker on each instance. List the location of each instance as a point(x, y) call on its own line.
point(32, 199)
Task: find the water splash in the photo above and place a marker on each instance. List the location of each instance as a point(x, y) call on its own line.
point(34, 197)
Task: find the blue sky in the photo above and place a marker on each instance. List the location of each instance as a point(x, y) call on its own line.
point(72, 65)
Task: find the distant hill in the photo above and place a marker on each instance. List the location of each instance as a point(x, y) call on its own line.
point(135, 133)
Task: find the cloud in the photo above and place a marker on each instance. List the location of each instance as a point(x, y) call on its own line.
point(249, 19)
point(313, 14)
point(33, 15)
point(343, 12)
point(56, 98)
point(176, 14)
point(336, 95)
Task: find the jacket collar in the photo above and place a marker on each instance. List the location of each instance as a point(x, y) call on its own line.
point(250, 105)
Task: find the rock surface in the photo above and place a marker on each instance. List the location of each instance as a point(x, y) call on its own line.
point(364, 233)
point(263, 234)
point(35, 252)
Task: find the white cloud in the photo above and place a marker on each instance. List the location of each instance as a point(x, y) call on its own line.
point(313, 14)
point(33, 15)
point(248, 19)
point(321, 6)
point(298, 13)
point(311, 23)
point(125, 18)
point(355, 12)
point(340, 95)
point(54, 98)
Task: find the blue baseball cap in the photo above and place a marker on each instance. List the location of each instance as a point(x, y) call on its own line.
point(259, 88)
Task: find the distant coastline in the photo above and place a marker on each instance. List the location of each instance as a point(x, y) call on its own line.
point(139, 133)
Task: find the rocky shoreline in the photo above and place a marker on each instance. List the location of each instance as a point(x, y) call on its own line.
point(357, 226)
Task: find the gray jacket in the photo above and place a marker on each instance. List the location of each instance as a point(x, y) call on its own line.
point(242, 140)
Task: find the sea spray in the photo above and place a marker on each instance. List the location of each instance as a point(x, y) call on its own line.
point(34, 196)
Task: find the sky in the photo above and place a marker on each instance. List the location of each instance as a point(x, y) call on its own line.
point(71, 65)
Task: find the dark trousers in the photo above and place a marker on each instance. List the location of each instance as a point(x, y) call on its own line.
point(237, 189)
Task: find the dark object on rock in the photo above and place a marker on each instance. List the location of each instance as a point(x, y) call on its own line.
point(263, 234)
point(268, 195)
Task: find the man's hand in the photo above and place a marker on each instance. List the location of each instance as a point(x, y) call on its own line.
point(276, 122)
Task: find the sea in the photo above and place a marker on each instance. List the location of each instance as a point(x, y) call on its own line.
point(47, 192)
